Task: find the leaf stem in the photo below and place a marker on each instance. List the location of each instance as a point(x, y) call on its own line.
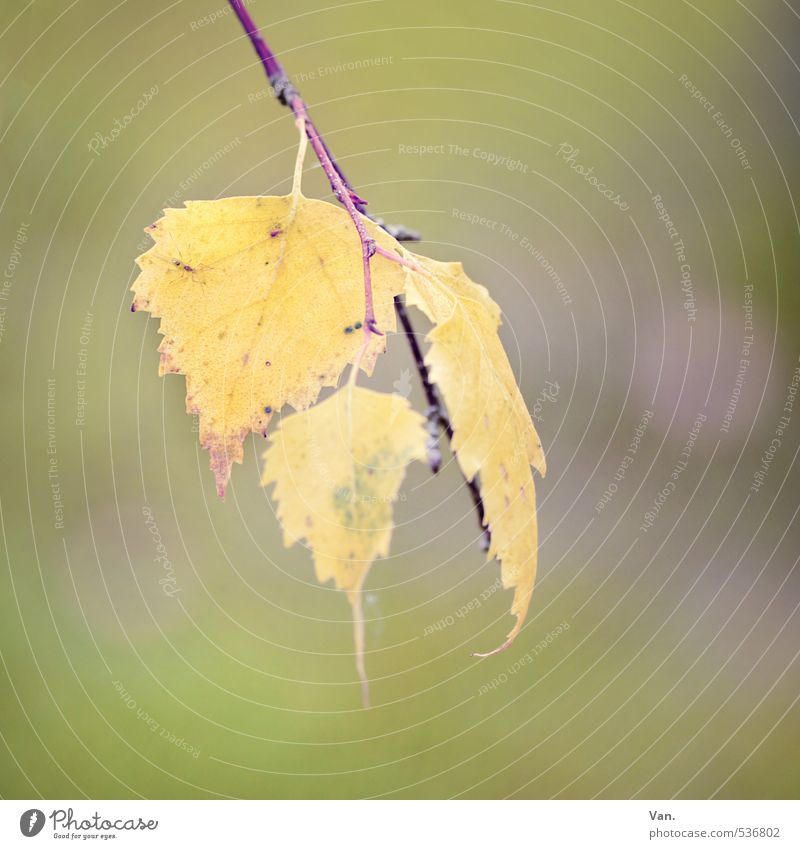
point(358, 638)
point(297, 179)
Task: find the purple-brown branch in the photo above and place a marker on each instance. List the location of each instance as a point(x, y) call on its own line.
point(288, 95)
point(438, 419)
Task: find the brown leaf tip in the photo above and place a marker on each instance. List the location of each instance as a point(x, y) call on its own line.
point(221, 467)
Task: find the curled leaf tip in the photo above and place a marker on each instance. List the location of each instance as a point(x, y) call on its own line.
point(499, 649)
point(507, 644)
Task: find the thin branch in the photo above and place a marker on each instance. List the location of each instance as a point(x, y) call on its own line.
point(288, 95)
point(437, 418)
point(434, 412)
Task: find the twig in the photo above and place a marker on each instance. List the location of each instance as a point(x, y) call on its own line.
point(356, 206)
point(434, 413)
point(437, 418)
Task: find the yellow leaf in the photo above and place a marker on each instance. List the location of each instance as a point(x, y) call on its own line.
point(493, 434)
point(337, 469)
point(261, 301)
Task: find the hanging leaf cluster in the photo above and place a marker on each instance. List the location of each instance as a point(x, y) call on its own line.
point(261, 304)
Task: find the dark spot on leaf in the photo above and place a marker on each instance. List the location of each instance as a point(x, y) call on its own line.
point(133, 307)
point(358, 325)
point(176, 262)
point(267, 363)
point(348, 329)
point(275, 233)
point(268, 410)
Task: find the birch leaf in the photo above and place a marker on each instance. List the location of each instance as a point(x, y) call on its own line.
point(261, 301)
point(337, 470)
point(493, 434)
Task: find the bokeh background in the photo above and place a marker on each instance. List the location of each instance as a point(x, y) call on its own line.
point(660, 658)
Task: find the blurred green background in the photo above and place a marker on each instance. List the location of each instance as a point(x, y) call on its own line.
point(677, 674)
